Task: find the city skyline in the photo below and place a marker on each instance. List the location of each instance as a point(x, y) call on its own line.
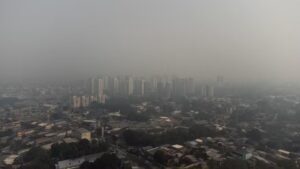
point(172, 84)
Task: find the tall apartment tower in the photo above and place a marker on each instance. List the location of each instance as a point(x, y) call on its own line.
point(100, 91)
point(179, 89)
point(92, 87)
point(100, 87)
point(76, 102)
point(189, 86)
point(130, 86)
point(154, 83)
point(142, 87)
point(139, 87)
point(116, 86)
point(208, 91)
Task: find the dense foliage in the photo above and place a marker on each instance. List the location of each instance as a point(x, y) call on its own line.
point(172, 136)
point(73, 150)
point(38, 158)
point(107, 161)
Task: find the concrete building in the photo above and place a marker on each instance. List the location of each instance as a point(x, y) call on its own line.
point(82, 133)
point(92, 88)
point(85, 101)
point(129, 86)
point(100, 91)
point(139, 87)
point(100, 87)
point(189, 86)
point(116, 85)
point(208, 91)
point(76, 102)
point(179, 89)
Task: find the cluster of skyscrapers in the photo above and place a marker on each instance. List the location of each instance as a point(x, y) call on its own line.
point(101, 88)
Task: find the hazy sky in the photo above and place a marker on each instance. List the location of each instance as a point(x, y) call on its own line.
point(239, 39)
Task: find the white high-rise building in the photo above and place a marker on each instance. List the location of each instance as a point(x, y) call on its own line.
point(100, 87)
point(85, 101)
point(76, 102)
point(101, 96)
point(101, 99)
point(130, 86)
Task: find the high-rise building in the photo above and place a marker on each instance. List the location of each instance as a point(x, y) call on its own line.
point(160, 88)
point(101, 96)
point(154, 83)
point(81, 101)
point(85, 101)
point(116, 89)
point(142, 87)
point(110, 86)
point(106, 82)
point(139, 87)
point(93, 99)
point(122, 86)
point(102, 99)
point(148, 88)
point(100, 87)
point(220, 88)
point(167, 90)
point(178, 87)
point(130, 86)
point(208, 91)
point(92, 86)
point(76, 102)
point(189, 86)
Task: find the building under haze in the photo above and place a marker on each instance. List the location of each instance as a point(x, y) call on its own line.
point(179, 89)
point(101, 95)
point(92, 87)
point(129, 86)
point(116, 86)
point(139, 87)
point(76, 102)
point(208, 91)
